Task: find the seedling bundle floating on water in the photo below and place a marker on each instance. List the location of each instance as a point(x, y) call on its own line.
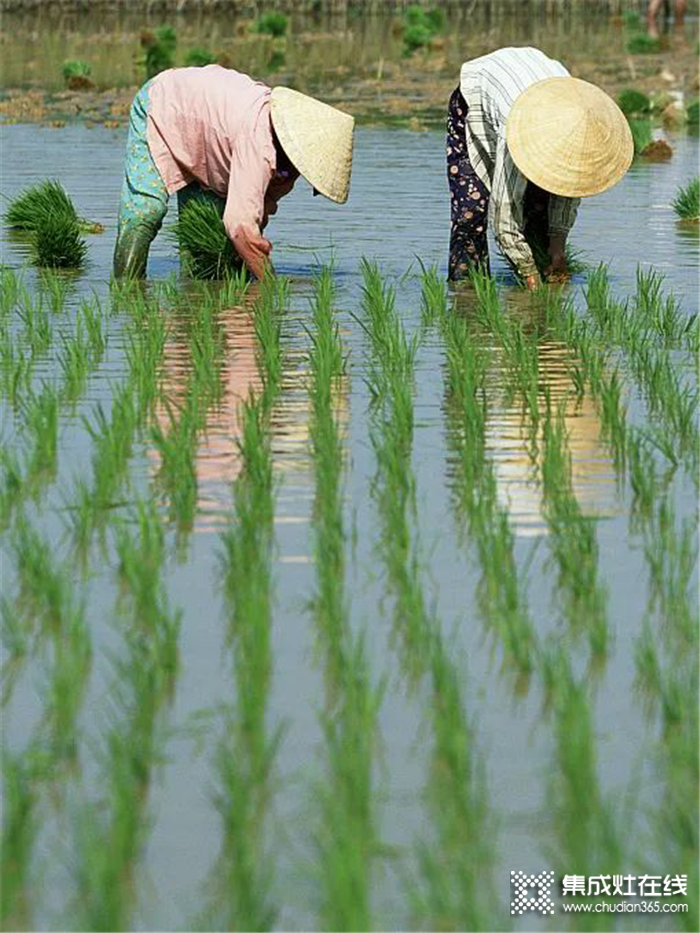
point(205, 249)
point(687, 202)
point(48, 215)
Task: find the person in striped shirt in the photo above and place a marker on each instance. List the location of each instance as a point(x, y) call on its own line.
point(525, 141)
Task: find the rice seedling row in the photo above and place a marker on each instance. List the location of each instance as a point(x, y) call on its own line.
point(247, 748)
point(111, 831)
point(452, 885)
point(346, 837)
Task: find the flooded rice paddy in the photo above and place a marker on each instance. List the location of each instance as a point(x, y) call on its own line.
point(309, 620)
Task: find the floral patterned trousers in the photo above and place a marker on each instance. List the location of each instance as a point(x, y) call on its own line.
point(469, 197)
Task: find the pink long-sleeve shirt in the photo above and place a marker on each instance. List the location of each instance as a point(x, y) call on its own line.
point(212, 125)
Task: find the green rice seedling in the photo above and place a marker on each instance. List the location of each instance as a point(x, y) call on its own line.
point(91, 317)
point(671, 554)
point(40, 413)
point(631, 19)
point(38, 207)
point(641, 133)
point(55, 286)
point(455, 890)
point(206, 249)
point(686, 203)
point(59, 244)
point(641, 43)
point(177, 449)
point(37, 326)
point(243, 878)
point(643, 475)
point(233, 290)
point(631, 100)
point(572, 541)
point(12, 487)
point(10, 289)
point(433, 296)
point(693, 113)
point(111, 835)
point(46, 593)
point(65, 691)
point(589, 839)
point(346, 840)
point(80, 514)
point(199, 57)
point(160, 50)
point(19, 833)
point(74, 361)
point(15, 371)
point(141, 562)
point(112, 443)
point(326, 366)
point(272, 24)
point(267, 321)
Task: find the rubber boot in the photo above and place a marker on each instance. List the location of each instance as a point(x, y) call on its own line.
point(131, 251)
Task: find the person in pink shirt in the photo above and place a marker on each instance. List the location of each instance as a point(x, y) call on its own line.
point(212, 132)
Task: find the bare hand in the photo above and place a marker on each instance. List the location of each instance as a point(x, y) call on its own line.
point(532, 281)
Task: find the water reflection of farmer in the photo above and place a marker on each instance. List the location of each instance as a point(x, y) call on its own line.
point(214, 130)
point(527, 141)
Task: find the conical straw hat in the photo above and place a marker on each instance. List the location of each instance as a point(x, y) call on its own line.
point(569, 137)
point(317, 138)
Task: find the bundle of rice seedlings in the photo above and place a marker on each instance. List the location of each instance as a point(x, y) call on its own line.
point(58, 243)
point(32, 209)
point(421, 26)
point(205, 249)
point(199, 57)
point(271, 24)
point(76, 74)
point(693, 113)
point(160, 50)
point(643, 44)
point(633, 101)
point(687, 202)
point(641, 135)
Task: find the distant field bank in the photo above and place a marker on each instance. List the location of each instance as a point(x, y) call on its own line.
point(310, 6)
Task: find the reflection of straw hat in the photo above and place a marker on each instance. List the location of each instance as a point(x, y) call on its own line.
point(317, 138)
point(569, 137)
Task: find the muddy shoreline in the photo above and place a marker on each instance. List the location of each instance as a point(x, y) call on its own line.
point(413, 99)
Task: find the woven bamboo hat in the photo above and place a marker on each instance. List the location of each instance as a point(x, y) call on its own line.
point(569, 137)
point(317, 138)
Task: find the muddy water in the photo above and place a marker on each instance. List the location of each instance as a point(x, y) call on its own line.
point(397, 212)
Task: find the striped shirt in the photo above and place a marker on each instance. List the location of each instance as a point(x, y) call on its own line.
point(490, 86)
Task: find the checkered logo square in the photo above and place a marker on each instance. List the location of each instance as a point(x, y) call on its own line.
point(531, 892)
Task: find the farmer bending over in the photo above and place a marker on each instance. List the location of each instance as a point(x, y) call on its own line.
point(528, 140)
point(216, 133)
